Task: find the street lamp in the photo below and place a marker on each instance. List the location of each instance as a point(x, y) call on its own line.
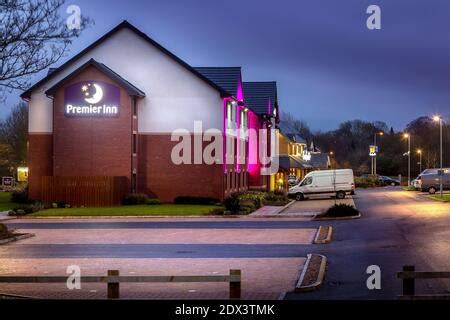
point(420, 160)
point(374, 158)
point(439, 119)
point(408, 136)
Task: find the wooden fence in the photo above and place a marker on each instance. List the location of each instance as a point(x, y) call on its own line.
point(409, 276)
point(84, 191)
point(113, 280)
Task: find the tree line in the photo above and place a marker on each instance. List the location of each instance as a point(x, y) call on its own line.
point(350, 142)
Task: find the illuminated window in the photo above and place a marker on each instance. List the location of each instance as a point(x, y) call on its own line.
point(134, 107)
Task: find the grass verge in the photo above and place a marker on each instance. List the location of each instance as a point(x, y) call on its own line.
point(137, 210)
point(5, 202)
point(445, 197)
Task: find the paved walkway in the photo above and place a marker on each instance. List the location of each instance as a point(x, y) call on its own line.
point(270, 253)
point(312, 207)
point(4, 216)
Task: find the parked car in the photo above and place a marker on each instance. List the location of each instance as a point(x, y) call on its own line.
point(327, 183)
point(431, 182)
point(292, 180)
point(388, 181)
point(416, 182)
point(434, 170)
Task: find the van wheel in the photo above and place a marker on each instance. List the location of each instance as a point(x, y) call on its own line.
point(299, 197)
point(340, 195)
point(432, 190)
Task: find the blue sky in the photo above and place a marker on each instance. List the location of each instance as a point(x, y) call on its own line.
point(328, 65)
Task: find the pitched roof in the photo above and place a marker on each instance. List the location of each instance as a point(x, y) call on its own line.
point(258, 94)
point(287, 162)
point(291, 132)
point(226, 78)
point(122, 25)
point(320, 160)
point(131, 89)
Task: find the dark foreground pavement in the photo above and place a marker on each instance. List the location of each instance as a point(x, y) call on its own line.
point(397, 228)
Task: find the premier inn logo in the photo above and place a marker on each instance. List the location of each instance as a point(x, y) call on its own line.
point(91, 99)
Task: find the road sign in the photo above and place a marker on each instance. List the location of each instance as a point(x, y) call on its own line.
point(8, 181)
point(373, 151)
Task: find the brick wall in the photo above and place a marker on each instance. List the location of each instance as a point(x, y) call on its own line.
point(92, 146)
point(40, 162)
point(160, 177)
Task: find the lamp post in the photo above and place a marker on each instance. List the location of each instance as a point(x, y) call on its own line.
point(420, 160)
point(408, 136)
point(439, 119)
point(374, 162)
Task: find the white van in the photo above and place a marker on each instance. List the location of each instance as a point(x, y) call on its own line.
point(327, 183)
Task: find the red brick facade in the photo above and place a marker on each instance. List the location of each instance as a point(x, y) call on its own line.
point(92, 146)
point(40, 155)
point(159, 176)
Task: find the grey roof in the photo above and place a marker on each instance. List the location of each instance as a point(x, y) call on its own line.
point(291, 132)
point(258, 94)
point(319, 160)
point(287, 162)
point(226, 78)
point(131, 89)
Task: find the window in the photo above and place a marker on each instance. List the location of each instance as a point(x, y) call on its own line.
point(134, 107)
point(307, 181)
point(231, 114)
point(134, 143)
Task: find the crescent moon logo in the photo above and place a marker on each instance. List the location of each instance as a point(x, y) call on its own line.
point(97, 96)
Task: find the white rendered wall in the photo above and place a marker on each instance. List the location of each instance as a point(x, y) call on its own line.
point(175, 97)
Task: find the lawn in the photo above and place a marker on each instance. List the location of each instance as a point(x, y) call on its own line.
point(5, 201)
point(446, 197)
point(137, 210)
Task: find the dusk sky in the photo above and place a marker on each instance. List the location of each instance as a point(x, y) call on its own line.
point(328, 65)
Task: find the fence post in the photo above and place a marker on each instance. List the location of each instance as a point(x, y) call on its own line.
point(235, 284)
point(113, 287)
point(409, 283)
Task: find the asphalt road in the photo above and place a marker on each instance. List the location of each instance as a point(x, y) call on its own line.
point(397, 228)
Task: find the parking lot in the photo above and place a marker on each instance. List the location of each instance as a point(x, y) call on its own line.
point(314, 206)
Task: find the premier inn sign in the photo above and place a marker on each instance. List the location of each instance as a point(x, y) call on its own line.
point(91, 99)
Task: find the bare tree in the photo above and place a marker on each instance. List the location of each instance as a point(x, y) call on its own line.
point(13, 138)
point(33, 36)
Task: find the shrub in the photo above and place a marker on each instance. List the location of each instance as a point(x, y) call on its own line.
point(247, 207)
point(367, 182)
point(231, 203)
point(256, 197)
point(135, 198)
point(20, 196)
point(276, 197)
point(217, 212)
point(342, 210)
point(22, 210)
point(195, 200)
point(153, 201)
